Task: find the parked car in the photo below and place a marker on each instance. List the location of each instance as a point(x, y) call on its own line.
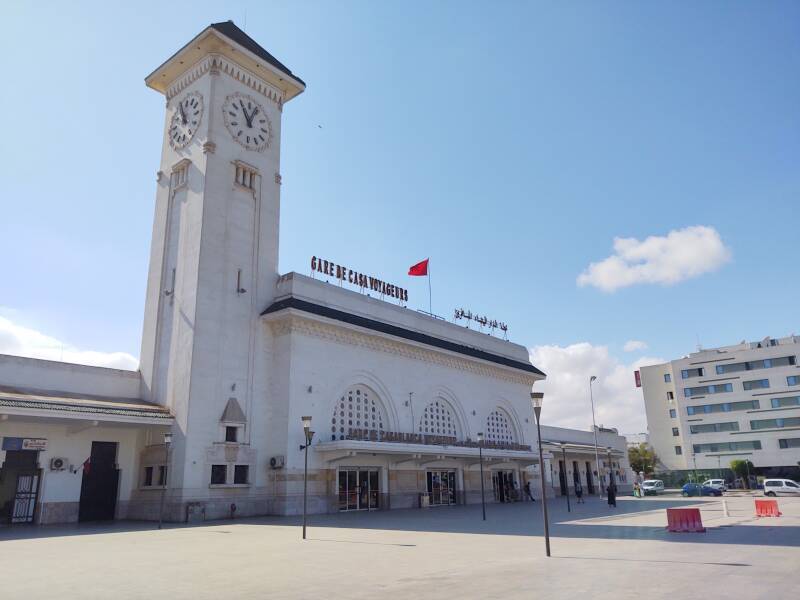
point(781, 487)
point(653, 487)
point(718, 484)
point(695, 489)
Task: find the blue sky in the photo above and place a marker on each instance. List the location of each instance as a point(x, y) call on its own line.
point(511, 142)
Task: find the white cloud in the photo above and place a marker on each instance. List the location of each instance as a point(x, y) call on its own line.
point(618, 403)
point(681, 254)
point(634, 345)
point(23, 341)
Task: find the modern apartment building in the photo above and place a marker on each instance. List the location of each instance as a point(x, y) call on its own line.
point(732, 402)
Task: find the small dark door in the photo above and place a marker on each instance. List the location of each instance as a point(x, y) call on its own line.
point(19, 486)
point(589, 480)
point(100, 483)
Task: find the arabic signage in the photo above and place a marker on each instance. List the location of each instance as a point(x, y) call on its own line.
point(15, 443)
point(372, 435)
point(482, 321)
point(345, 274)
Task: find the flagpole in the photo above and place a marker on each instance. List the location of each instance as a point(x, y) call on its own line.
point(430, 301)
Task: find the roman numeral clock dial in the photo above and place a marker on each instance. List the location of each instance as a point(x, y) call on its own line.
point(185, 121)
point(247, 122)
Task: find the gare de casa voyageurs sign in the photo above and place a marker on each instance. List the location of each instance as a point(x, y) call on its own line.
point(343, 273)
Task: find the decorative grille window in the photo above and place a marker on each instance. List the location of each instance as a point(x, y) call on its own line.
point(438, 419)
point(499, 429)
point(245, 176)
point(357, 409)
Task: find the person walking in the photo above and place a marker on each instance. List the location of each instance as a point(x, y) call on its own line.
point(612, 494)
point(579, 492)
point(527, 488)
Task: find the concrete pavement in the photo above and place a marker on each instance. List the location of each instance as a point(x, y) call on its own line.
point(439, 552)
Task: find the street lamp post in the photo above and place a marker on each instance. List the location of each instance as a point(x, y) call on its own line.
point(537, 399)
point(610, 465)
point(167, 442)
point(480, 458)
point(566, 481)
point(309, 436)
point(592, 379)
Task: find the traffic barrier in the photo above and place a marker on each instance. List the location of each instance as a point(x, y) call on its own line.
point(767, 508)
point(684, 520)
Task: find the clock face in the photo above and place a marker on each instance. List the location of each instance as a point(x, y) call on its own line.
point(185, 120)
point(247, 122)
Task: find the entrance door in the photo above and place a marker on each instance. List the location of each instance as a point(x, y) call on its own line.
point(99, 484)
point(589, 480)
point(562, 477)
point(441, 487)
point(19, 486)
point(358, 489)
point(504, 487)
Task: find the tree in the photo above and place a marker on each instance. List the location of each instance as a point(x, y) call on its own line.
point(743, 469)
point(642, 458)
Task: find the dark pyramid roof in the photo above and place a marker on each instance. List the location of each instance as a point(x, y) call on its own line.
point(230, 30)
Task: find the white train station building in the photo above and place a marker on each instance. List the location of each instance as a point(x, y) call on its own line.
point(234, 354)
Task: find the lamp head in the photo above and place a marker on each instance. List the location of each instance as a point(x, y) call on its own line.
point(168, 438)
point(480, 437)
point(592, 378)
point(306, 422)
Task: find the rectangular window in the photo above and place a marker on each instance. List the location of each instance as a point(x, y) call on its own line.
point(670, 396)
point(789, 443)
point(678, 450)
point(708, 389)
point(705, 409)
point(231, 434)
point(246, 177)
point(715, 427)
point(756, 384)
point(752, 365)
point(148, 476)
point(673, 414)
point(785, 402)
point(727, 447)
point(675, 431)
point(686, 373)
point(775, 423)
point(240, 473)
point(667, 378)
point(219, 474)
point(793, 380)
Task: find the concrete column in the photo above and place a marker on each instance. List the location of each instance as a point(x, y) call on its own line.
point(461, 497)
point(384, 489)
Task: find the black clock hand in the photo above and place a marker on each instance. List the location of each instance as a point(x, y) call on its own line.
point(183, 114)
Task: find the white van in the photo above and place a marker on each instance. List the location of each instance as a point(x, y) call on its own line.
point(717, 484)
point(781, 487)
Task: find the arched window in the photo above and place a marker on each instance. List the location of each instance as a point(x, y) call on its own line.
point(499, 428)
point(358, 408)
point(439, 418)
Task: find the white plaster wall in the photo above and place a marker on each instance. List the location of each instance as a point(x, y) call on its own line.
point(65, 486)
point(48, 375)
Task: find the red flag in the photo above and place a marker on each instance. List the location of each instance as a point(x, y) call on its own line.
point(420, 269)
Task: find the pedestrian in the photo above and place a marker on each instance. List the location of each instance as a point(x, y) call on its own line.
point(612, 494)
point(527, 489)
point(579, 492)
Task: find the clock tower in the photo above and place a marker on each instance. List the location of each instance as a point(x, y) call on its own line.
point(214, 253)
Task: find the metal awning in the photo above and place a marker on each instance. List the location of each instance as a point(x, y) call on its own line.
point(62, 405)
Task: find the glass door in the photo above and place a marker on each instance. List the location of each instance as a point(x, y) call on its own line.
point(358, 489)
point(441, 487)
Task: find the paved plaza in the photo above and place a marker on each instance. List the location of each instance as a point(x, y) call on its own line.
point(435, 553)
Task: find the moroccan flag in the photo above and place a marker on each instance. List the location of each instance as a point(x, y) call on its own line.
point(420, 269)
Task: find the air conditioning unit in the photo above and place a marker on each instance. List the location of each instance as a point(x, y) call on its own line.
point(277, 462)
point(58, 463)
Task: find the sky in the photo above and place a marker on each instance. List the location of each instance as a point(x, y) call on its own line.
point(616, 181)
